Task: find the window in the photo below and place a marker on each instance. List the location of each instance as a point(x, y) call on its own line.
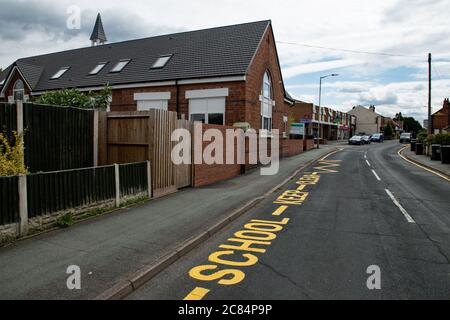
point(19, 90)
point(145, 105)
point(120, 65)
point(60, 72)
point(266, 103)
point(207, 110)
point(152, 100)
point(2, 82)
point(98, 68)
point(161, 62)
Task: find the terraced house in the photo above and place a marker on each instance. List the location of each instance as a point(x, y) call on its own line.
point(224, 75)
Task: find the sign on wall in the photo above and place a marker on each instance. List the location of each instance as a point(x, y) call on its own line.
point(298, 128)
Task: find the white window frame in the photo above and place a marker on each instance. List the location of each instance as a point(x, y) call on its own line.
point(119, 66)
point(60, 73)
point(99, 67)
point(155, 98)
point(206, 96)
point(22, 90)
point(162, 61)
point(267, 103)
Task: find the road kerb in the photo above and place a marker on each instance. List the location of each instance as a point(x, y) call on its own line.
point(124, 288)
point(435, 171)
point(117, 292)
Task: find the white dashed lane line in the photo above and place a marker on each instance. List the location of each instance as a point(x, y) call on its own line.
point(376, 175)
point(403, 211)
point(368, 163)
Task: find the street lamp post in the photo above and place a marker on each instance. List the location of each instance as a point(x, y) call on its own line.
point(320, 106)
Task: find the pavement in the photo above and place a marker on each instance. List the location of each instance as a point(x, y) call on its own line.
point(372, 226)
point(110, 248)
point(427, 162)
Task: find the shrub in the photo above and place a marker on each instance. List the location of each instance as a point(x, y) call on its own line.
point(422, 136)
point(77, 99)
point(12, 155)
point(442, 139)
point(430, 139)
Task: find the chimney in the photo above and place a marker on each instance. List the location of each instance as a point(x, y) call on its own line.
point(98, 36)
point(372, 108)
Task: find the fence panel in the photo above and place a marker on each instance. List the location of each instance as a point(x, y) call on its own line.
point(133, 179)
point(58, 138)
point(8, 114)
point(52, 192)
point(9, 200)
point(183, 172)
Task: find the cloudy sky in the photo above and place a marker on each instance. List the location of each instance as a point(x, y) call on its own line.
point(408, 28)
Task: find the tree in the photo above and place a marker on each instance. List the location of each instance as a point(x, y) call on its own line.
point(399, 117)
point(411, 125)
point(77, 99)
point(388, 131)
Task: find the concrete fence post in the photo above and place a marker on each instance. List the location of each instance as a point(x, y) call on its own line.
point(19, 116)
point(149, 179)
point(23, 205)
point(117, 178)
point(22, 181)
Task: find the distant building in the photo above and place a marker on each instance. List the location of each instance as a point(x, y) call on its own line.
point(441, 119)
point(367, 120)
point(334, 125)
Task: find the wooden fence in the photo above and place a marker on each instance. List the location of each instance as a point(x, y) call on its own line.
point(56, 138)
point(140, 136)
point(9, 200)
point(71, 190)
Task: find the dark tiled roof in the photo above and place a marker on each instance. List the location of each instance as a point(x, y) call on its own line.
point(223, 51)
point(98, 33)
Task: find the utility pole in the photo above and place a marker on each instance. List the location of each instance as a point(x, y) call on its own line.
point(430, 122)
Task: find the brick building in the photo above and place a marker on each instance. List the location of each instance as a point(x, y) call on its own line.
point(221, 76)
point(441, 119)
point(334, 125)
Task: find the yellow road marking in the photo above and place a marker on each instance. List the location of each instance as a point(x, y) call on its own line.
point(330, 154)
point(418, 165)
point(280, 211)
point(197, 294)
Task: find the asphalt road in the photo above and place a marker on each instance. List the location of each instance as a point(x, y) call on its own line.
point(394, 219)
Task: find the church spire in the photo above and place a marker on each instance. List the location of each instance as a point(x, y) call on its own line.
point(98, 36)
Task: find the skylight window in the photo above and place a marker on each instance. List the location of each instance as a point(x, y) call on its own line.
point(60, 72)
point(161, 62)
point(99, 67)
point(120, 65)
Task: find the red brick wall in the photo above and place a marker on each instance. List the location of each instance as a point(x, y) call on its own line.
point(123, 99)
point(208, 174)
point(441, 118)
point(308, 144)
point(291, 148)
point(266, 59)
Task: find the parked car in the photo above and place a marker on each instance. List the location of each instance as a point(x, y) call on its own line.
point(366, 139)
point(377, 137)
point(405, 137)
point(358, 140)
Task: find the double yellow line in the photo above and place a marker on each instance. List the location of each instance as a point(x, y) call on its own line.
point(418, 165)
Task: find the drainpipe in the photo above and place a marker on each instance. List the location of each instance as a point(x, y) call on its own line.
point(177, 99)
